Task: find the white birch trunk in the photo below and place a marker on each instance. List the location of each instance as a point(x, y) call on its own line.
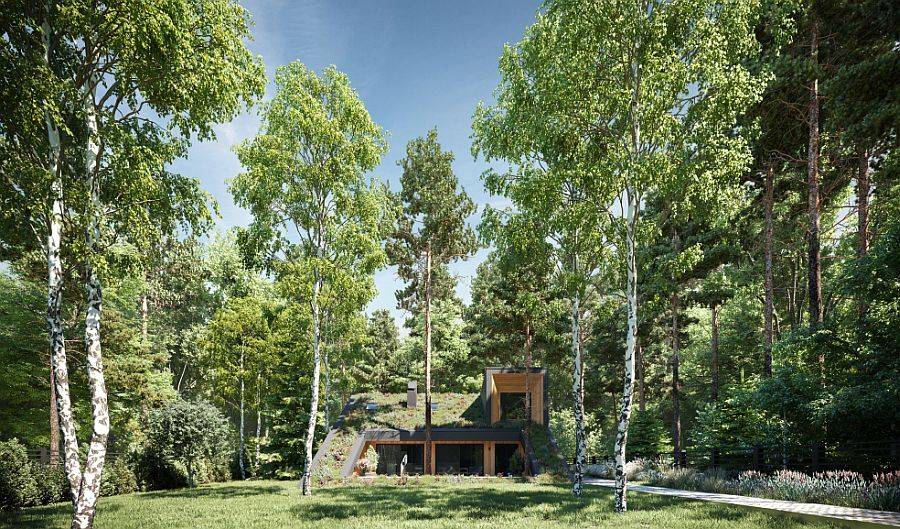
point(258, 427)
point(327, 389)
point(314, 400)
point(89, 492)
point(630, 342)
point(578, 403)
point(241, 435)
point(428, 455)
point(58, 360)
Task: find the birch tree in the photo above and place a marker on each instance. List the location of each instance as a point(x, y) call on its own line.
point(550, 195)
point(108, 58)
point(37, 177)
point(647, 94)
point(316, 219)
point(431, 232)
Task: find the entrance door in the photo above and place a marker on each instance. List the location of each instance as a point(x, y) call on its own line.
point(503, 452)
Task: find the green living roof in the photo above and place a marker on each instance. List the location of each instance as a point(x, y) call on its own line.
point(454, 410)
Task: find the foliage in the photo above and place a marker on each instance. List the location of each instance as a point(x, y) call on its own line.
point(118, 478)
point(648, 435)
point(193, 434)
point(562, 424)
point(17, 484)
point(433, 220)
point(848, 489)
point(380, 368)
point(516, 464)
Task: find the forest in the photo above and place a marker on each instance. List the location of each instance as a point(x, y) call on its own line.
point(698, 237)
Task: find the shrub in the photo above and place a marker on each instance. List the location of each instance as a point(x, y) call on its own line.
point(51, 482)
point(118, 478)
point(193, 435)
point(156, 472)
point(368, 463)
point(516, 464)
point(640, 469)
point(648, 435)
point(843, 488)
point(17, 485)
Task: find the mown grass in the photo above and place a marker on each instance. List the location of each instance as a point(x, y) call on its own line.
point(487, 503)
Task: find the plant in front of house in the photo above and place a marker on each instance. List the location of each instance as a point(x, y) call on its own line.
point(367, 465)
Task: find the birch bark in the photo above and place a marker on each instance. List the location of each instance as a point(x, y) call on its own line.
point(58, 360)
point(241, 434)
point(428, 454)
point(89, 490)
point(621, 486)
point(258, 427)
point(314, 400)
point(578, 480)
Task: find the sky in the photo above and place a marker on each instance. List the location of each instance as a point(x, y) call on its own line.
point(416, 65)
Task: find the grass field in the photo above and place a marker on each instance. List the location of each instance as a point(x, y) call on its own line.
point(494, 504)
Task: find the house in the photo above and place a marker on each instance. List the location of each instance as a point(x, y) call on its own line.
point(472, 434)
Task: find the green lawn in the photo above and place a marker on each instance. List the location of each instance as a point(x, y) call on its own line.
point(494, 504)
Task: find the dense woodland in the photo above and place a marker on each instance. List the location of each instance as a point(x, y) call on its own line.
point(706, 190)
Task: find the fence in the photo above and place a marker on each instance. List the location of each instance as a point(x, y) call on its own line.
point(867, 457)
point(43, 455)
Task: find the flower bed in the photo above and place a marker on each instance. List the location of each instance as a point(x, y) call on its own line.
point(844, 488)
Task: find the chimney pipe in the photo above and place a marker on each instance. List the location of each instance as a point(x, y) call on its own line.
point(411, 393)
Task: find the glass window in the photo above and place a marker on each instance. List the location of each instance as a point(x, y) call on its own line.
point(512, 406)
point(390, 457)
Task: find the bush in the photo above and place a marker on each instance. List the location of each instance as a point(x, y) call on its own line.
point(51, 482)
point(17, 486)
point(843, 488)
point(118, 478)
point(156, 472)
point(192, 436)
point(647, 435)
point(516, 464)
point(640, 469)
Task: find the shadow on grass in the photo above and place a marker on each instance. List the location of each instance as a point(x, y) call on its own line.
point(421, 502)
point(225, 492)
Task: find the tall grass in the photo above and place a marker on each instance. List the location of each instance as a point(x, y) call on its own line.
point(843, 488)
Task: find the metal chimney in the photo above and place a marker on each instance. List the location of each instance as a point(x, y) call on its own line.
point(411, 393)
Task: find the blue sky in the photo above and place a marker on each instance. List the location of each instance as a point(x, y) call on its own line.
point(416, 65)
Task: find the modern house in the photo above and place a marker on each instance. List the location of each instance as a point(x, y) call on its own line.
point(472, 434)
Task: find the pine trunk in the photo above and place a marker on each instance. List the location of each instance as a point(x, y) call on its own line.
point(814, 264)
point(714, 350)
point(89, 491)
point(630, 346)
point(58, 360)
point(428, 454)
point(769, 281)
point(578, 402)
point(528, 362)
point(314, 399)
point(862, 221)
